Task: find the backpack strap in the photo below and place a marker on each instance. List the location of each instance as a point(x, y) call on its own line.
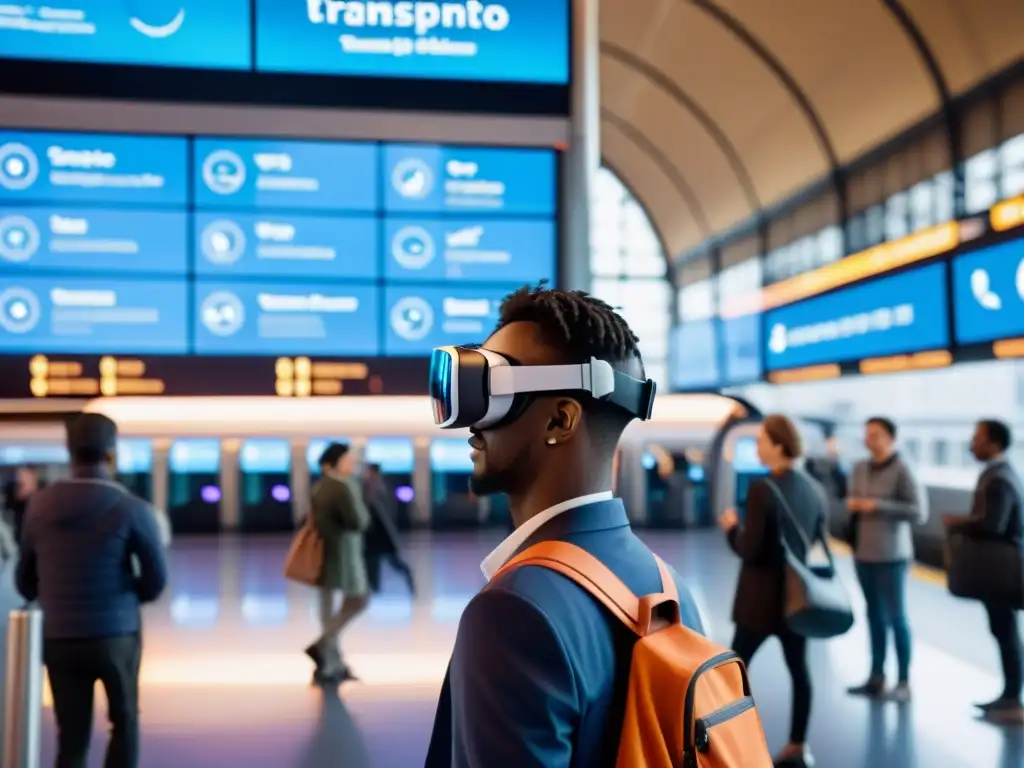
point(640, 614)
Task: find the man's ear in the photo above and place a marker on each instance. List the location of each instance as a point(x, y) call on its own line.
point(565, 419)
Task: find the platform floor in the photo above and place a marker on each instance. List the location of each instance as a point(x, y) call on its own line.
point(225, 682)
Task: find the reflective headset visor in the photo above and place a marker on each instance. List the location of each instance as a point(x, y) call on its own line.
point(472, 387)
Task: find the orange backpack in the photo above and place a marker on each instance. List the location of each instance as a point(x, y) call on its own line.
point(688, 702)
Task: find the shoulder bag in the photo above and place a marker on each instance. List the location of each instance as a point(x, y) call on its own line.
point(816, 603)
point(305, 560)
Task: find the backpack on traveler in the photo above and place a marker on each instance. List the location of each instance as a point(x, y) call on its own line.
point(688, 701)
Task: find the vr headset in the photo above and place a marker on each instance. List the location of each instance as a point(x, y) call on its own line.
point(472, 387)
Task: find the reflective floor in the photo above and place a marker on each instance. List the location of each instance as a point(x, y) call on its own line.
point(225, 683)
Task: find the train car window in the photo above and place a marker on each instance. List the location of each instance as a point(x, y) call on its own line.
point(264, 468)
point(194, 493)
point(395, 457)
point(315, 449)
point(668, 488)
point(452, 505)
point(135, 467)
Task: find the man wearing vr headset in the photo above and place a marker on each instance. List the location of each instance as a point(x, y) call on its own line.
point(539, 670)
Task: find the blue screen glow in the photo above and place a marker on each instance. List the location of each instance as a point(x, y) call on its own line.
point(53, 168)
point(451, 455)
point(316, 448)
point(84, 240)
point(56, 315)
point(393, 454)
point(741, 344)
point(466, 180)
point(196, 457)
point(513, 40)
point(175, 33)
point(988, 293)
point(470, 250)
point(894, 315)
point(134, 456)
point(307, 175)
point(17, 455)
point(421, 318)
point(263, 457)
point(286, 319)
point(694, 356)
point(242, 245)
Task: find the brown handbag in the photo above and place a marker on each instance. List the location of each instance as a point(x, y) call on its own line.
point(305, 560)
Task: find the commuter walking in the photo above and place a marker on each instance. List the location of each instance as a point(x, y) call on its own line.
point(759, 605)
point(885, 502)
point(26, 483)
point(341, 518)
point(997, 515)
point(91, 555)
point(381, 539)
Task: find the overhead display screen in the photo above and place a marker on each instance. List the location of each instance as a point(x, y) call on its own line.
point(988, 293)
point(694, 356)
point(524, 41)
point(895, 315)
point(517, 41)
point(741, 345)
point(210, 34)
point(219, 247)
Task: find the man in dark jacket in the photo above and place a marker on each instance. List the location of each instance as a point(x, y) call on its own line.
point(91, 555)
point(381, 540)
point(997, 512)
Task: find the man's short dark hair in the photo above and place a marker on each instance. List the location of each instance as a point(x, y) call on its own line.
point(998, 432)
point(887, 424)
point(332, 454)
point(374, 468)
point(581, 327)
point(91, 438)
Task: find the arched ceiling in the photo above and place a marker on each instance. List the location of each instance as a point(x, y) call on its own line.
point(715, 109)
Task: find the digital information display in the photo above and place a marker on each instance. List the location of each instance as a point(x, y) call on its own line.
point(894, 315)
point(741, 345)
point(174, 33)
point(988, 293)
point(317, 253)
point(523, 41)
point(694, 356)
point(520, 41)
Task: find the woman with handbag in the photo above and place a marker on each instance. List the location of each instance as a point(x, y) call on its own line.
point(759, 610)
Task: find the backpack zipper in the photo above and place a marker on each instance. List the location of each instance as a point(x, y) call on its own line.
point(703, 726)
point(729, 657)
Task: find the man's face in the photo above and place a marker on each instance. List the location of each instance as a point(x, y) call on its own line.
point(504, 457)
point(981, 446)
point(876, 439)
point(26, 482)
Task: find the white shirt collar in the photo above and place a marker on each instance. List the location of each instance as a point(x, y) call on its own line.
point(504, 551)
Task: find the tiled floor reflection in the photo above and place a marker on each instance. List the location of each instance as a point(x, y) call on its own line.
point(225, 683)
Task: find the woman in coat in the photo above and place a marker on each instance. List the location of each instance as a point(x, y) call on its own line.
point(341, 518)
point(759, 607)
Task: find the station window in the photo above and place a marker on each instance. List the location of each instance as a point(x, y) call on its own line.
point(913, 449)
point(981, 175)
point(1012, 167)
point(940, 453)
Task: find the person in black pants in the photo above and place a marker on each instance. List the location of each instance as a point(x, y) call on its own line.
point(91, 555)
point(758, 610)
point(997, 512)
point(380, 543)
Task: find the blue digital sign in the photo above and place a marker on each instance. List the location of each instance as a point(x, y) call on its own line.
point(451, 455)
point(265, 457)
point(134, 456)
point(988, 293)
point(310, 175)
point(471, 250)
point(93, 168)
point(423, 317)
point(286, 319)
point(175, 33)
point(741, 343)
point(395, 455)
point(269, 245)
point(693, 354)
point(91, 315)
point(200, 456)
point(430, 179)
point(525, 41)
point(901, 314)
point(77, 240)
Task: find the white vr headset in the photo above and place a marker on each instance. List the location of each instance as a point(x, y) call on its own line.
point(473, 387)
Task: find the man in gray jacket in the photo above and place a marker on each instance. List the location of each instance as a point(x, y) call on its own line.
point(885, 501)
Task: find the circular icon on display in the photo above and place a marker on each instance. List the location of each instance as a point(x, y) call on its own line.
point(413, 247)
point(778, 340)
point(222, 313)
point(19, 166)
point(19, 310)
point(412, 178)
point(19, 238)
point(223, 242)
point(223, 172)
point(1020, 279)
point(412, 318)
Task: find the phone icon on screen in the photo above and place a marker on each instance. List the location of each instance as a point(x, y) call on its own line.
point(981, 288)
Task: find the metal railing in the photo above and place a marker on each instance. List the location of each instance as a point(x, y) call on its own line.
point(23, 690)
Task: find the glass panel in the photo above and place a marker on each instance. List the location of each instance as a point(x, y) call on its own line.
point(609, 291)
point(874, 226)
point(395, 457)
point(265, 490)
point(135, 467)
point(452, 504)
point(1012, 167)
point(696, 301)
point(740, 280)
point(830, 244)
point(897, 217)
point(922, 206)
point(980, 189)
point(943, 184)
point(194, 486)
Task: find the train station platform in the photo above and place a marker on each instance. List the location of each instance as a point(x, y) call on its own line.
point(225, 682)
